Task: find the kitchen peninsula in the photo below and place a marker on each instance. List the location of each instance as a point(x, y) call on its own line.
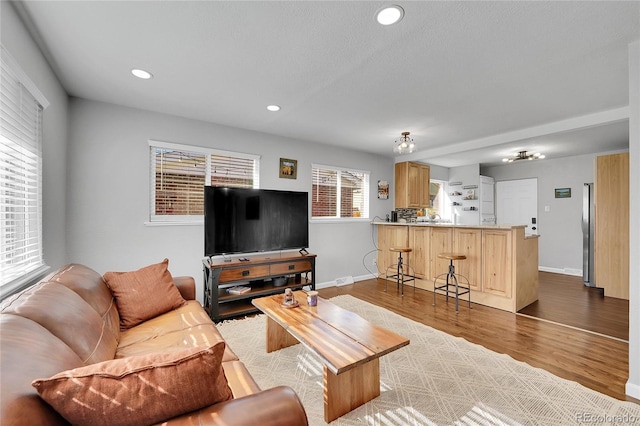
point(501, 263)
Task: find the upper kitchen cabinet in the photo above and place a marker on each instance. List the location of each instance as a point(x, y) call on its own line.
point(412, 185)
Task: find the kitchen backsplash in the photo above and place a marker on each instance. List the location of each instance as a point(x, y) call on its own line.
point(408, 215)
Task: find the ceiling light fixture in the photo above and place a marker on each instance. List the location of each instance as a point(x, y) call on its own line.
point(273, 108)
point(389, 15)
point(523, 155)
point(404, 145)
point(145, 75)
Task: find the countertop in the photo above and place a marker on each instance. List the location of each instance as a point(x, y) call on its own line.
point(451, 225)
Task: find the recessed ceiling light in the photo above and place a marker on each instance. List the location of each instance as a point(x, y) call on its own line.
point(273, 108)
point(141, 73)
point(390, 15)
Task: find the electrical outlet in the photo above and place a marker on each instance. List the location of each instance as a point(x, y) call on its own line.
point(374, 262)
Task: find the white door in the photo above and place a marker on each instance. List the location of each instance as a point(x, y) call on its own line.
point(517, 203)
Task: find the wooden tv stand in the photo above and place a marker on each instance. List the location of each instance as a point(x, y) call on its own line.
point(258, 273)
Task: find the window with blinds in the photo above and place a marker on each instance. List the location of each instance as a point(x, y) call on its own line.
point(339, 193)
point(21, 256)
point(179, 174)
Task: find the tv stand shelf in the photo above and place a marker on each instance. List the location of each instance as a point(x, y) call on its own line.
point(258, 272)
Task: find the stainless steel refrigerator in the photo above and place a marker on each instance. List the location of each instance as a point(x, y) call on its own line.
point(588, 235)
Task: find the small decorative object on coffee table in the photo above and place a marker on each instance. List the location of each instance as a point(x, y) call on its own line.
point(312, 298)
point(289, 301)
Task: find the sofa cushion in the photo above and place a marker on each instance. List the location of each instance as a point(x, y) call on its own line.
point(139, 390)
point(144, 294)
point(28, 351)
point(181, 328)
point(67, 316)
point(90, 285)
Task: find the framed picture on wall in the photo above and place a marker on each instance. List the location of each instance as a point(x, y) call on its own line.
point(563, 192)
point(288, 168)
point(383, 189)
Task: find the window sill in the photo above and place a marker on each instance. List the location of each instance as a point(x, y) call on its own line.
point(24, 281)
point(341, 220)
point(168, 223)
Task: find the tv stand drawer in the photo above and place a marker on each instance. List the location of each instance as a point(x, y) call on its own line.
point(250, 272)
point(290, 267)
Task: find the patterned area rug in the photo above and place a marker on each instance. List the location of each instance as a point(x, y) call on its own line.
point(437, 380)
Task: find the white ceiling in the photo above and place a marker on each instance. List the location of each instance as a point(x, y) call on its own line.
point(471, 81)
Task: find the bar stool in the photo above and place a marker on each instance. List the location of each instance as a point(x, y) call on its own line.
point(458, 290)
point(400, 276)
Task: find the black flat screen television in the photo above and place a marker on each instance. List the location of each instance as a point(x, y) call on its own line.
point(241, 220)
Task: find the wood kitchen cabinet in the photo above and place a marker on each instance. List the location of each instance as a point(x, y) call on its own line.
point(390, 236)
point(441, 242)
point(501, 263)
point(420, 242)
point(468, 241)
point(611, 251)
point(497, 262)
point(412, 185)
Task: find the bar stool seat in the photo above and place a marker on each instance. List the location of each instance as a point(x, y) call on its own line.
point(451, 280)
point(400, 275)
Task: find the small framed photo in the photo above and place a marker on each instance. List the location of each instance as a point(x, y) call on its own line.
point(563, 192)
point(383, 189)
point(288, 168)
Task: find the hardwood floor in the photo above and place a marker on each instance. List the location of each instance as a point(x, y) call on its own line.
point(595, 361)
point(565, 299)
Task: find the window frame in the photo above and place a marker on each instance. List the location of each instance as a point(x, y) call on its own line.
point(445, 212)
point(338, 218)
point(36, 269)
point(162, 220)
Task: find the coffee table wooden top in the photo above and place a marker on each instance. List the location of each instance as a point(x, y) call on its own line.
point(341, 338)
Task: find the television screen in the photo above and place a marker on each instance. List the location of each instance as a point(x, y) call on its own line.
point(240, 220)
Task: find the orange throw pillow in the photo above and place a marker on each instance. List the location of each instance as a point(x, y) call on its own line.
point(144, 294)
point(138, 390)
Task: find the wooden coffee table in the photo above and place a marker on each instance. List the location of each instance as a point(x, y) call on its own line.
point(348, 345)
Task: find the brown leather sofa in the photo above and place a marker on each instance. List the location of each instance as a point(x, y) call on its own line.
point(70, 320)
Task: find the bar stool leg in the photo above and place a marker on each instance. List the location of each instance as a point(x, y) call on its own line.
point(434, 291)
point(400, 276)
point(456, 281)
point(452, 272)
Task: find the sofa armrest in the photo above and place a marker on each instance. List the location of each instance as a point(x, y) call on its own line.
point(186, 286)
point(279, 406)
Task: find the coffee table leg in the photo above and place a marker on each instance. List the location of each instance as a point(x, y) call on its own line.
point(278, 337)
point(349, 390)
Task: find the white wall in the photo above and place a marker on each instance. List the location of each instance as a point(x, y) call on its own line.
point(109, 191)
point(560, 243)
point(23, 49)
point(438, 172)
point(469, 176)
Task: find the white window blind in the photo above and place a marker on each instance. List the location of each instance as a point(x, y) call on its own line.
point(179, 174)
point(20, 178)
point(339, 193)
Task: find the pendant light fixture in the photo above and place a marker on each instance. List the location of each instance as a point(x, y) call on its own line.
point(404, 145)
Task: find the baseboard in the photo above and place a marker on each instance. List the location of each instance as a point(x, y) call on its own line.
point(365, 277)
point(325, 285)
point(334, 283)
point(633, 390)
point(565, 271)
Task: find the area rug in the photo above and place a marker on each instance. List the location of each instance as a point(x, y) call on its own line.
point(438, 379)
